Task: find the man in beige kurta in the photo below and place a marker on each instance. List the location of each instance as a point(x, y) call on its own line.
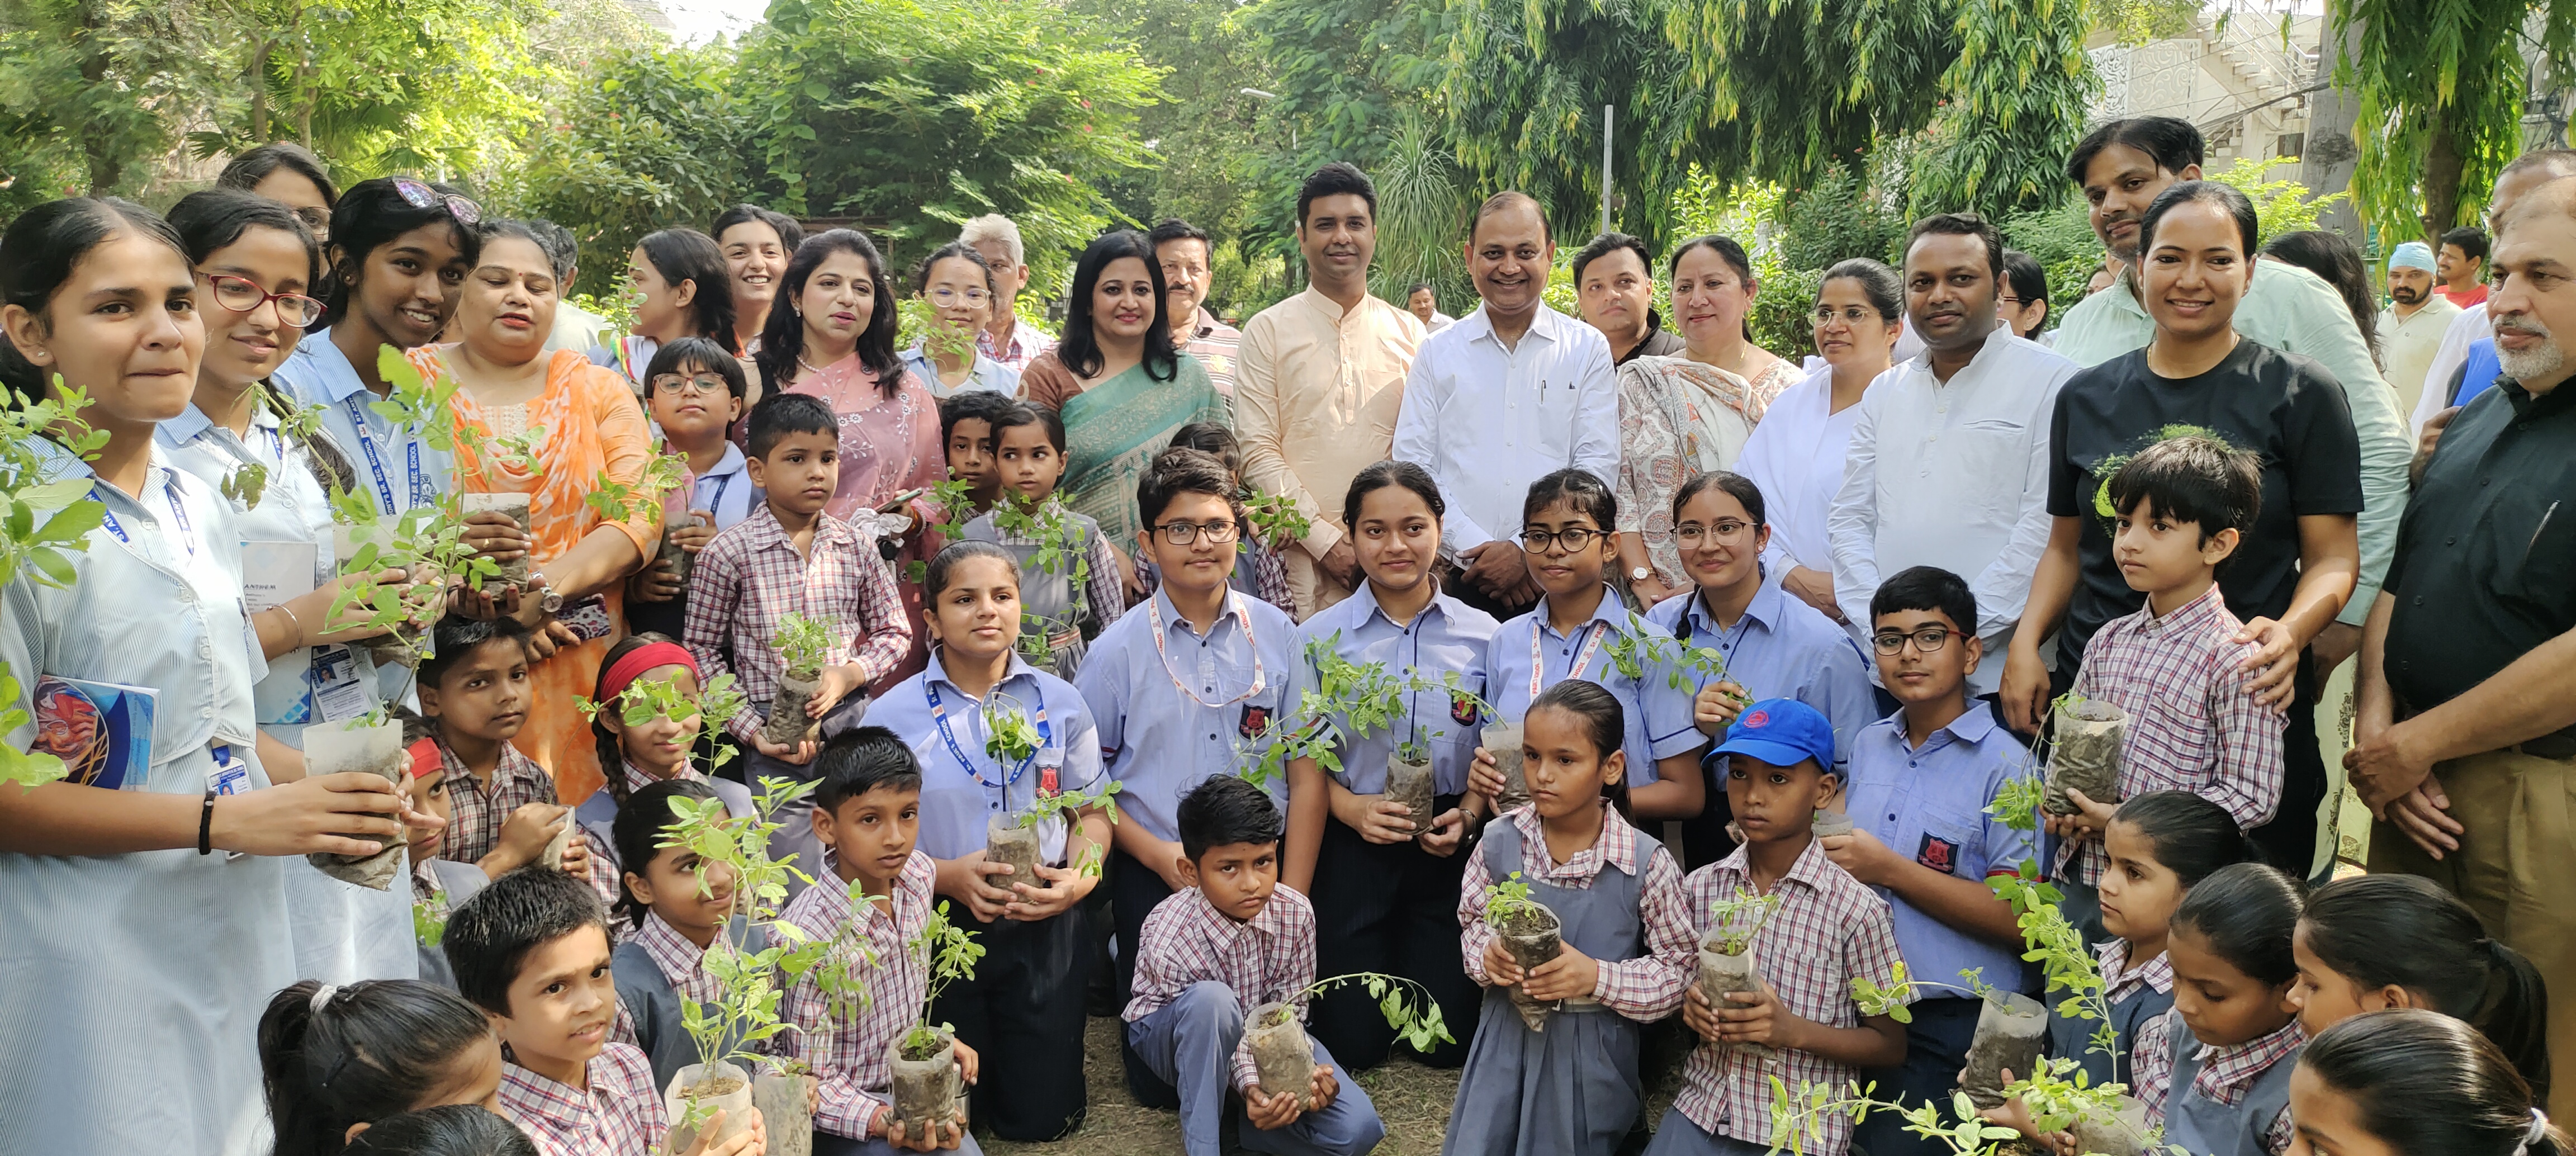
point(1321, 376)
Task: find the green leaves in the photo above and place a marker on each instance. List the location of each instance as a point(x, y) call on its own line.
point(1734, 922)
point(1504, 898)
point(802, 643)
point(1060, 540)
point(1274, 518)
point(1406, 1004)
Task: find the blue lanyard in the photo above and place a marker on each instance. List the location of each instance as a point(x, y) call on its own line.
point(376, 462)
point(178, 515)
point(715, 505)
point(939, 715)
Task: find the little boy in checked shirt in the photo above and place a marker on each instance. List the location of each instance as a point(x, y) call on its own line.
point(2174, 668)
point(867, 816)
point(532, 951)
point(791, 557)
point(1827, 931)
point(1233, 941)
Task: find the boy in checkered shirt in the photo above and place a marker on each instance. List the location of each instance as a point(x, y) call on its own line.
point(867, 814)
point(532, 951)
point(1231, 941)
point(2175, 668)
point(1826, 931)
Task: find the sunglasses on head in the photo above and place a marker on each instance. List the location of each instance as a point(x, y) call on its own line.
point(421, 196)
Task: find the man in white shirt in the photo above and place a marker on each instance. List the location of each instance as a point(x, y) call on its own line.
point(2412, 326)
point(1424, 303)
point(1949, 461)
point(1512, 392)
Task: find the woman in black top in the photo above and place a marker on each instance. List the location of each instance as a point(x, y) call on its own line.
point(2300, 558)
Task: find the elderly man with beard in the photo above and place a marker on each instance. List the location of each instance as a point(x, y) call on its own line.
point(2466, 733)
point(2411, 327)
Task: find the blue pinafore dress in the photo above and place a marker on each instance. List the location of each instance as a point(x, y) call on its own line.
point(1573, 1089)
point(2205, 1126)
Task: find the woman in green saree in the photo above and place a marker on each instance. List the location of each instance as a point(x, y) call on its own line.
point(1122, 388)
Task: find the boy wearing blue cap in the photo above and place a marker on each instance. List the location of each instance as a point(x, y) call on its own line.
point(1827, 929)
point(1921, 782)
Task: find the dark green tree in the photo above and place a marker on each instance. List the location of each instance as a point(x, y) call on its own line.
point(2441, 84)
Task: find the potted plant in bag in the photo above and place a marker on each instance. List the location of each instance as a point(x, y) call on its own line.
point(1285, 1058)
point(1726, 952)
point(1012, 836)
point(1531, 932)
point(927, 1086)
point(802, 645)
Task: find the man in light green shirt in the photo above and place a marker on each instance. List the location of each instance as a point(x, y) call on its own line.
point(2121, 168)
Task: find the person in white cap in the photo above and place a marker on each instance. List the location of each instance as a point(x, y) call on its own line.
point(2411, 328)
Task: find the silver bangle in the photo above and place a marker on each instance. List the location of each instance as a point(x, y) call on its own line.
point(298, 623)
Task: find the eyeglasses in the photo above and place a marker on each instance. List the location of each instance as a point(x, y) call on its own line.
point(1849, 314)
point(1691, 534)
point(1184, 533)
point(1573, 538)
point(2009, 299)
point(241, 295)
point(420, 196)
point(675, 385)
point(1929, 640)
point(947, 297)
point(318, 220)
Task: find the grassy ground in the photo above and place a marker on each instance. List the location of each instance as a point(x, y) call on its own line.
point(1412, 1099)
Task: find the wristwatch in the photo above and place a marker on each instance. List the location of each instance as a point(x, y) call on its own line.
point(1640, 574)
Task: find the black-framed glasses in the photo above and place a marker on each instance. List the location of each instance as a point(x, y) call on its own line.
point(1929, 640)
point(1184, 533)
point(705, 383)
point(1573, 538)
point(421, 196)
point(1691, 534)
point(241, 295)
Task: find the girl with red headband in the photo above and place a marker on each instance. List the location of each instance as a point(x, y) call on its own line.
point(636, 756)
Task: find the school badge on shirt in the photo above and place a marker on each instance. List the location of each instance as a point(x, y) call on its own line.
point(1937, 853)
point(1462, 711)
point(1255, 720)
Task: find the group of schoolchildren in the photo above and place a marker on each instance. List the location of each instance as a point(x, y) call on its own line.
point(556, 990)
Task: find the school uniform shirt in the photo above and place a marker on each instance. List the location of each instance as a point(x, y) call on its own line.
point(1795, 457)
point(751, 577)
point(1643, 989)
point(397, 467)
point(2136, 994)
point(962, 784)
point(1265, 959)
point(618, 1114)
point(155, 965)
point(2282, 407)
point(1951, 474)
point(848, 1052)
point(1445, 636)
point(477, 809)
point(1827, 931)
point(2226, 1074)
point(726, 490)
point(658, 968)
point(1487, 421)
point(1100, 591)
point(2191, 726)
point(1929, 805)
point(1526, 656)
point(1175, 707)
point(2293, 311)
point(1782, 648)
point(598, 813)
point(985, 374)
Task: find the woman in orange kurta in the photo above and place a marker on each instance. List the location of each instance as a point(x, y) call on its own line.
point(578, 422)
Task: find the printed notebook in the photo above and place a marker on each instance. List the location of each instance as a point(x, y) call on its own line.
point(101, 731)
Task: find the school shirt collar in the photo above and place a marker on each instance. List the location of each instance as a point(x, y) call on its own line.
point(2226, 1072)
point(937, 672)
point(1973, 728)
point(671, 951)
point(1227, 931)
point(1610, 610)
point(1764, 609)
point(1443, 605)
point(731, 463)
point(767, 533)
point(2191, 616)
point(1809, 870)
point(637, 778)
point(338, 375)
point(56, 464)
point(1617, 847)
point(193, 424)
point(1227, 611)
point(2155, 974)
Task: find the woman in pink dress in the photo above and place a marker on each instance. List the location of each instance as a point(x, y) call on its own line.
point(831, 334)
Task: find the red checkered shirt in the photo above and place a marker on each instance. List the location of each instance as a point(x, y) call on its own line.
point(2225, 1072)
point(1644, 989)
point(1828, 930)
point(476, 811)
point(619, 1114)
point(607, 875)
point(848, 1052)
point(1264, 960)
point(2124, 980)
point(751, 577)
point(2191, 726)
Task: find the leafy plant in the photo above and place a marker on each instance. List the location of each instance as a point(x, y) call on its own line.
point(1507, 898)
point(921, 321)
point(1009, 736)
point(802, 644)
point(2057, 1096)
point(1632, 648)
point(645, 701)
point(1736, 921)
point(948, 953)
point(427, 543)
point(44, 519)
point(1416, 1021)
point(954, 498)
point(1105, 797)
point(619, 501)
point(429, 920)
point(1274, 518)
point(1050, 526)
point(246, 484)
point(1348, 699)
point(521, 451)
point(412, 403)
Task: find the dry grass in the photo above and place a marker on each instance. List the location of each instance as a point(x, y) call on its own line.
point(1412, 1099)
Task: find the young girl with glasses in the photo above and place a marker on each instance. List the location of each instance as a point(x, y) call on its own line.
point(959, 287)
point(694, 393)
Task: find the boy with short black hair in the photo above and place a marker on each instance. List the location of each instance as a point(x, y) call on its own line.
point(1827, 930)
point(1922, 780)
point(693, 391)
point(1235, 939)
point(2174, 668)
point(532, 951)
point(791, 557)
point(966, 435)
point(867, 816)
point(1186, 686)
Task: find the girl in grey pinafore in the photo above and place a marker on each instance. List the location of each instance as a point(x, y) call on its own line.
point(1571, 1090)
point(1052, 604)
point(2209, 1128)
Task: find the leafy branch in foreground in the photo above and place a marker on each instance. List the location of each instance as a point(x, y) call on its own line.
point(1349, 700)
point(47, 519)
point(949, 953)
point(1632, 648)
point(1416, 1020)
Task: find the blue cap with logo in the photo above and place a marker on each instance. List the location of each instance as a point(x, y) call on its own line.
point(1782, 732)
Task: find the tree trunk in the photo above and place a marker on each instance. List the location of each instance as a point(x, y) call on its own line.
point(259, 92)
point(98, 146)
point(2442, 165)
point(2332, 114)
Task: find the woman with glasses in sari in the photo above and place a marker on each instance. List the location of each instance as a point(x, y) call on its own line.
point(1121, 386)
